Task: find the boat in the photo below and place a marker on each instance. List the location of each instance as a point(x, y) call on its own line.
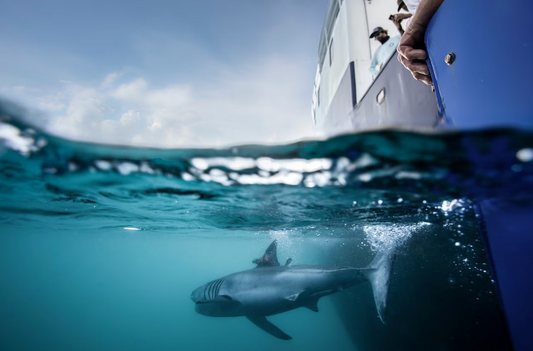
point(478, 55)
point(346, 97)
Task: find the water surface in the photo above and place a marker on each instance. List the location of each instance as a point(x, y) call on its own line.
point(101, 246)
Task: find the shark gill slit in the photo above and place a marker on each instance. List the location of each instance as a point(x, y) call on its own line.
point(210, 290)
point(213, 288)
point(218, 285)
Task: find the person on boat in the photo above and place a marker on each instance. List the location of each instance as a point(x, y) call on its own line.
point(384, 52)
point(411, 51)
point(401, 16)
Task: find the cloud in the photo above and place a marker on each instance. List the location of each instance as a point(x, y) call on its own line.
point(176, 80)
point(132, 91)
point(130, 118)
point(51, 106)
point(159, 117)
point(256, 103)
point(129, 123)
point(109, 80)
point(173, 97)
point(83, 116)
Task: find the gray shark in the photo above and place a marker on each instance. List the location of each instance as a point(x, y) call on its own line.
point(270, 289)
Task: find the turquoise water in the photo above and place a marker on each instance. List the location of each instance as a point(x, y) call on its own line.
point(101, 246)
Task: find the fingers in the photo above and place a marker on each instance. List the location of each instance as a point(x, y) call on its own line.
point(414, 66)
point(419, 70)
point(411, 54)
point(423, 78)
point(414, 59)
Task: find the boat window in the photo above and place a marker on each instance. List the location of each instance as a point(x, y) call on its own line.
point(322, 48)
point(327, 30)
point(331, 52)
point(331, 18)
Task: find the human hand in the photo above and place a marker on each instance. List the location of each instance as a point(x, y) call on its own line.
point(399, 17)
point(411, 53)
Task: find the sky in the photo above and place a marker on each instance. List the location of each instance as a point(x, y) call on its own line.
point(182, 73)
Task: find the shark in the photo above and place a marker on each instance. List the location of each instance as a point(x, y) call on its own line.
point(270, 288)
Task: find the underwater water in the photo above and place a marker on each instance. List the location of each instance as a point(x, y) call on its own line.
point(101, 246)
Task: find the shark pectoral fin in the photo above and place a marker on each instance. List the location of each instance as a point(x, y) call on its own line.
point(270, 328)
point(311, 297)
point(312, 305)
point(292, 297)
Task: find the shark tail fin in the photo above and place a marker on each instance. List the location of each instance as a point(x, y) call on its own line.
point(378, 274)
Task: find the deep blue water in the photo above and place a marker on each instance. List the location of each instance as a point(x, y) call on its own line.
point(101, 246)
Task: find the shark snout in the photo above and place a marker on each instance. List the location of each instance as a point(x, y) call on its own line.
point(196, 295)
point(202, 305)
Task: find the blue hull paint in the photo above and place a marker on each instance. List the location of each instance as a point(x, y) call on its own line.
point(488, 85)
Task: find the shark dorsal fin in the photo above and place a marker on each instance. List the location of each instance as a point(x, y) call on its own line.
point(270, 258)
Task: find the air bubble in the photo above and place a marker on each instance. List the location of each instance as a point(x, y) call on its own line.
point(525, 155)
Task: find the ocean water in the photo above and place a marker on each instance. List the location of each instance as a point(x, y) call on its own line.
point(101, 246)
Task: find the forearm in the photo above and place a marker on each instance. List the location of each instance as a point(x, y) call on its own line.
point(397, 20)
point(424, 12)
point(411, 47)
point(399, 27)
point(373, 64)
